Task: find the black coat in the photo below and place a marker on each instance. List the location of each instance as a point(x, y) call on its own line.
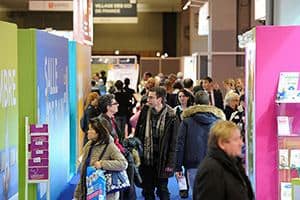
point(220, 177)
point(167, 141)
point(218, 99)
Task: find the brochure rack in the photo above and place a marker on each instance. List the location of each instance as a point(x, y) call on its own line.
point(288, 130)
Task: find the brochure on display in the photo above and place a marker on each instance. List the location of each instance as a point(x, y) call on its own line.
point(286, 191)
point(295, 158)
point(283, 126)
point(283, 159)
point(288, 91)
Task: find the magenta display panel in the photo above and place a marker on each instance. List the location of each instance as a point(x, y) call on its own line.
point(277, 50)
point(38, 148)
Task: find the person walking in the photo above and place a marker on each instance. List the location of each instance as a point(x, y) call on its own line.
point(221, 174)
point(157, 129)
point(193, 132)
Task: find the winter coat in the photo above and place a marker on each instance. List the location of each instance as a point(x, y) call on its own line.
point(220, 177)
point(193, 134)
point(111, 160)
point(167, 141)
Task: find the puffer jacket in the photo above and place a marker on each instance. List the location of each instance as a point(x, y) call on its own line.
point(193, 133)
point(112, 160)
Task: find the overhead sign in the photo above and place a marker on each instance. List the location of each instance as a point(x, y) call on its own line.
point(115, 11)
point(51, 5)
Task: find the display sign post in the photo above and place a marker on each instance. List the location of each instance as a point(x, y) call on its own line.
point(38, 154)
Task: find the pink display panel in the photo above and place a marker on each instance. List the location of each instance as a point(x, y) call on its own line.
point(277, 50)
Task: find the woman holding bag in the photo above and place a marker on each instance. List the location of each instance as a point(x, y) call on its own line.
point(112, 159)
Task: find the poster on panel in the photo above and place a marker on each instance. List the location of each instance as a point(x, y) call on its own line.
point(8, 112)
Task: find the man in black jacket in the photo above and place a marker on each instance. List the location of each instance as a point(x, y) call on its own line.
point(157, 129)
point(215, 96)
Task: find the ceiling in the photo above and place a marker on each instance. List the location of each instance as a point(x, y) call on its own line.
point(143, 5)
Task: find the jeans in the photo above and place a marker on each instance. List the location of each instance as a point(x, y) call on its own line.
point(191, 174)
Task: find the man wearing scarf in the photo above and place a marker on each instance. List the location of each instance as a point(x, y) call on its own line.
point(157, 130)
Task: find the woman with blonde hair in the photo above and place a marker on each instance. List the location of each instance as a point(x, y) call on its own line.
point(91, 110)
point(221, 174)
point(112, 159)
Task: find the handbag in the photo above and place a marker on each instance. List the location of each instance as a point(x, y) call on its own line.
point(115, 180)
point(95, 184)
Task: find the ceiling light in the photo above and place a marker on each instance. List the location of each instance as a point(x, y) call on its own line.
point(186, 5)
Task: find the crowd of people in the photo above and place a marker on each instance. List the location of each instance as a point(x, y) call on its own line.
point(171, 125)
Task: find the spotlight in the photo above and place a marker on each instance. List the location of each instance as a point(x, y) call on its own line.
point(117, 52)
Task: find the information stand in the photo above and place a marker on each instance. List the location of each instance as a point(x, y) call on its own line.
point(288, 130)
point(37, 157)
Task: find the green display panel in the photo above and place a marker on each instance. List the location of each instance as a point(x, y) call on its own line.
point(27, 99)
point(8, 112)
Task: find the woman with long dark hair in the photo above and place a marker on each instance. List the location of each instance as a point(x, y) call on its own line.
point(112, 159)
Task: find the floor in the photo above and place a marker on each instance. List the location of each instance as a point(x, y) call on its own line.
point(173, 188)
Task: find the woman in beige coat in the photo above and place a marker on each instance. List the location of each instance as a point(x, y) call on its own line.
point(112, 159)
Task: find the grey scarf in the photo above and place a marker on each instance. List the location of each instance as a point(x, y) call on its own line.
point(148, 141)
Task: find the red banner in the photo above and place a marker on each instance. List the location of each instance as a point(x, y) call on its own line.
point(83, 21)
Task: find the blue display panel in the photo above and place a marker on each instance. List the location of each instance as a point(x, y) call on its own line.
point(53, 106)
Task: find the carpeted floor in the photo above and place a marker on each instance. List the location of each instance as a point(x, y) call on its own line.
point(68, 190)
point(173, 188)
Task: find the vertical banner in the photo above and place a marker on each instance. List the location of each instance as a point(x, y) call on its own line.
point(83, 21)
point(38, 151)
point(8, 112)
point(53, 106)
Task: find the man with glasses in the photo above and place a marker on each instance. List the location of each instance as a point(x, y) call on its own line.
point(109, 107)
point(157, 130)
